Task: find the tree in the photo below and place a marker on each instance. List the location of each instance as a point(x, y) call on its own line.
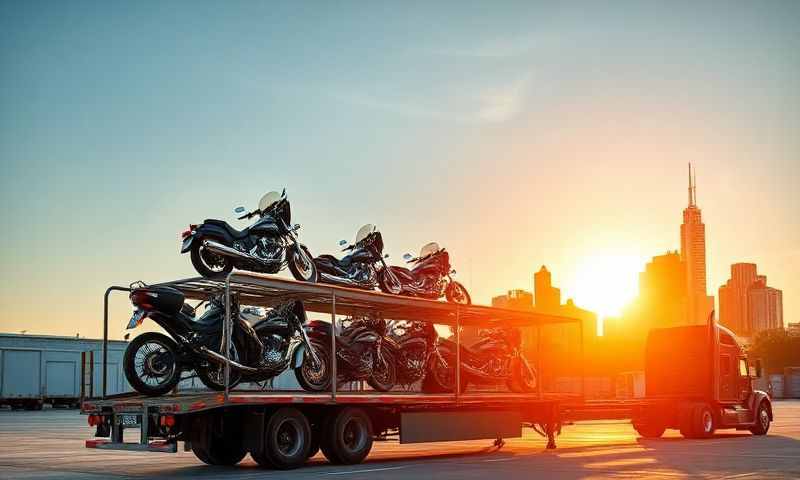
point(776, 349)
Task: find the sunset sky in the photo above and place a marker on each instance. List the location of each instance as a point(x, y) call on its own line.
point(514, 134)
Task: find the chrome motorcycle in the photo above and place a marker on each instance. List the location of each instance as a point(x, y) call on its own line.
point(266, 246)
point(360, 355)
point(495, 356)
point(153, 362)
point(360, 267)
point(415, 347)
point(430, 277)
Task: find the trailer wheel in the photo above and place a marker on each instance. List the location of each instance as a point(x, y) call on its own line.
point(762, 420)
point(347, 436)
point(217, 448)
point(287, 440)
point(649, 428)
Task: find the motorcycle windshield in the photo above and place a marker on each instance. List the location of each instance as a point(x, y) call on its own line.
point(268, 200)
point(364, 232)
point(428, 249)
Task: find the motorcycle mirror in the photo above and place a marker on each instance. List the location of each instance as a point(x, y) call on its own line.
point(238, 210)
point(342, 243)
point(407, 257)
point(452, 272)
point(386, 256)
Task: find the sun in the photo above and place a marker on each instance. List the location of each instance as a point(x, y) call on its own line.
point(605, 282)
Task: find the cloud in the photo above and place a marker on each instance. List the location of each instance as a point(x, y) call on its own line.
point(493, 104)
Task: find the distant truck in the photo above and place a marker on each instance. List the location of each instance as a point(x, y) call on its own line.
point(698, 379)
point(39, 369)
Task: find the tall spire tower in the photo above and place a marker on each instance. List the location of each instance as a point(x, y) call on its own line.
point(693, 255)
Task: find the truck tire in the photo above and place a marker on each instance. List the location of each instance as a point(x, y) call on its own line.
point(649, 428)
point(217, 448)
point(762, 420)
point(287, 440)
point(697, 421)
point(347, 436)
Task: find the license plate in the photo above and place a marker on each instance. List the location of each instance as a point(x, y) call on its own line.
point(137, 319)
point(129, 420)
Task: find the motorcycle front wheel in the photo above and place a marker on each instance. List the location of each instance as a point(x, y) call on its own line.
point(151, 364)
point(521, 380)
point(302, 265)
point(208, 264)
point(384, 373)
point(457, 293)
point(315, 378)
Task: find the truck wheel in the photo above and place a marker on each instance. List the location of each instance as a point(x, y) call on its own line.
point(649, 429)
point(287, 440)
point(347, 436)
point(213, 447)
point(697, 421)
point(762, 420)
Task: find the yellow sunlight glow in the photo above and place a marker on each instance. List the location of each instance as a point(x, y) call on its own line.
point(605, 282)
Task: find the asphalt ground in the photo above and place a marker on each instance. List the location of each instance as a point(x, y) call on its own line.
point(50, 445)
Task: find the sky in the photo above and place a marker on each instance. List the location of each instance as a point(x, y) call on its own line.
point(515, 134)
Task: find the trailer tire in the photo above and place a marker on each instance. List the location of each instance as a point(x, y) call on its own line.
point(648, 428)
point(287, 440)
point(347, 436)
point(213, 448)
point(762, 420)
point(697, 421)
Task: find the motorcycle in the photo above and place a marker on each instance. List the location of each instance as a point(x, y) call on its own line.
point(414, 345)
point(359, 268)
point(359, 355)
point(153, 362)
point(430, 277)
point(266, 246)
point(496, 356)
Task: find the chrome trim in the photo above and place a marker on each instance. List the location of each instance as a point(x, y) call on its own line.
point(214, 356)
point(220, 249)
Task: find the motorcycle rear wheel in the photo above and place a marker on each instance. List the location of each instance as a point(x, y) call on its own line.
point(386, 380)
point(156, 355)
point(207, 264)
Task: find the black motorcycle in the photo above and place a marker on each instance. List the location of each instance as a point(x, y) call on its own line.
point(415, 347)
point(153, 362)
point(429, 278)
point(266, 246)
point(360, 267)
point(495, 356)
point(359, 355)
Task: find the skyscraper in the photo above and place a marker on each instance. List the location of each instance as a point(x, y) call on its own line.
point(547, 297)
point(693, 255)
point(746, 304)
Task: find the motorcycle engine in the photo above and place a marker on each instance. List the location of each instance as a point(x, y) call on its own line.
point(273, 351)
point(413, 363)
point(269, 248)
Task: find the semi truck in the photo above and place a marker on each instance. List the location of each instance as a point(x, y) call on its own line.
point(282, 429)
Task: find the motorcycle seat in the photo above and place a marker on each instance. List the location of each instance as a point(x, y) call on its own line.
point(232, 231)
point(342, 263)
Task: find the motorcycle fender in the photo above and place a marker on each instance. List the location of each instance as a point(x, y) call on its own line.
point(187, 244)
point(298, 355)
point(205, 230)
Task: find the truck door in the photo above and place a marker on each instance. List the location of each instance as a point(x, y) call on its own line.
point(728, 382)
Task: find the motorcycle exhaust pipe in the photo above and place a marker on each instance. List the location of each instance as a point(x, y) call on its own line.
point(216, 357)
point(220, 249)
point(328, 278)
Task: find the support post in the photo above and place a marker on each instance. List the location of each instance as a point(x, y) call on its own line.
point(226, 334)
point(539, 374)
point(457, 388)
point(105, 334)
point(583, 362)
point(334, 375)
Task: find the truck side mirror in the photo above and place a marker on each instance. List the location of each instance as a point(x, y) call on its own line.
point(758, 368)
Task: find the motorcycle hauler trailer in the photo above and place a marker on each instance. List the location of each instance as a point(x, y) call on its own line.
point(282, 428)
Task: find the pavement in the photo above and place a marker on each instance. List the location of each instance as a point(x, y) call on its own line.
point(50, 445)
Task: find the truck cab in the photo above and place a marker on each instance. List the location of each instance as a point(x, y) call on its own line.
point(698, 379)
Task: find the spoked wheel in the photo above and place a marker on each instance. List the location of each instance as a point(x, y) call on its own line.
point(302, 265)
point(287, 440)
point(522, 380)
point(457, 293)
point(389, 283)
point(213, 374)
point(441, 376)
point(347, 436)
point(217, 439)
point(315, 377)
point(207, 263)
point(384, 372)
point(151, 364)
